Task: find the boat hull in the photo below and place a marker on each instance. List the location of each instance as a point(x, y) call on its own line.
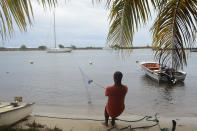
point(159, 76)
point(9, 117)
point(59, 50)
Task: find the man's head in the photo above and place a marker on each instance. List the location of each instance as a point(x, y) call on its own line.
point(117, 77)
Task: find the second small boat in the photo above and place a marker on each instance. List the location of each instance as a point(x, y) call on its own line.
point(162, 73)
point(12, 112)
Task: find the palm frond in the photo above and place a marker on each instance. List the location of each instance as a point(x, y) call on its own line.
point(19, 12)
point(125, 18)
point(174, 30)
point(160, 4)
point(49, 3)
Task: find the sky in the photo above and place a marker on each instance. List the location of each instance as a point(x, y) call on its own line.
point(78, 22)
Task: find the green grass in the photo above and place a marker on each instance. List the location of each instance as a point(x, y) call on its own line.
point(35, 125)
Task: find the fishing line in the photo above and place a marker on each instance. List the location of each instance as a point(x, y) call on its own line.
point(98, 85)
point(138, 66)
point(89, 83)
point(86, 83)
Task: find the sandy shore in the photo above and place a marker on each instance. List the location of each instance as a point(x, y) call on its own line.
point(183, 124)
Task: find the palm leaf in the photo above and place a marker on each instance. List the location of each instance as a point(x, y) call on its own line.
point(174, 30)
point(160, 4)
point(19, 12)
point(125, 18)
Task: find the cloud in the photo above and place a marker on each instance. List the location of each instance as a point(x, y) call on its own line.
point(78, 22)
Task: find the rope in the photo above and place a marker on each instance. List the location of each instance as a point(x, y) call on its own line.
point(147, 118)
point(68, 118)
point(98, 84)
point(143, 127)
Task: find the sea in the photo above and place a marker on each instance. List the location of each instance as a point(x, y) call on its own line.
point(59, 83)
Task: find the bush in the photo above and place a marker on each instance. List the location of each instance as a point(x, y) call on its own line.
point(115, 46)
point(42, 47)
point(73, 47)
point(23, 47)
point(61, 46)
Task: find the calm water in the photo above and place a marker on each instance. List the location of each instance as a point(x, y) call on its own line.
point(55, 83)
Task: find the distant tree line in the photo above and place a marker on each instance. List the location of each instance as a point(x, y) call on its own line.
point(43, 47)
point(23, 47)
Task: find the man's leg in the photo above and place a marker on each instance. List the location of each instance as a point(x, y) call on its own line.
point(113, 121)
point(106, 117)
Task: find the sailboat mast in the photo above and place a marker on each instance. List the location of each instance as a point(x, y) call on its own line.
point(54, 29)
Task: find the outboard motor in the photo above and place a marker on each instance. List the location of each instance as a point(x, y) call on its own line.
point(170, 76)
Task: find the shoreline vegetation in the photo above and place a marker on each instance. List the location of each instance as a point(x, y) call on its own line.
point(79, 48)
point(38, 49)
point(29, 126)
point(44, 48)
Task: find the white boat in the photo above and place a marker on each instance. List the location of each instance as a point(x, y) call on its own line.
point(11, 113)
point(59, 50)
point(107, 48)
point(162, 74)
point(55, 49)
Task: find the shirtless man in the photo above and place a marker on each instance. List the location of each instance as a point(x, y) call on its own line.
point(116, 96)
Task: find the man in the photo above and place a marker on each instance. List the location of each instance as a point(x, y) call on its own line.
point(116, 96)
